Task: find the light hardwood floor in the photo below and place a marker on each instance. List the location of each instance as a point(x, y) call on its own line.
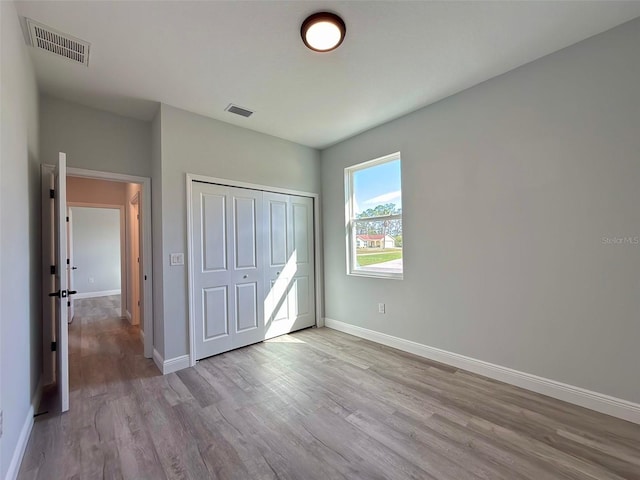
point(317, 404)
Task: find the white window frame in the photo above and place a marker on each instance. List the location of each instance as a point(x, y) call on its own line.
point(350, 220)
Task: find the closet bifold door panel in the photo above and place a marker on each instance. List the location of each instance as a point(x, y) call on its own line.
point(228, 277)
point(289, 269)
point(253, 273)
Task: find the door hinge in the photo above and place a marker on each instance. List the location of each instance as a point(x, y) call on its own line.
point(67, 261)
point(52, 269)
point(138, 302)
point(67, 219)
point(54, 346)
point(68, 303)
point(52, 193)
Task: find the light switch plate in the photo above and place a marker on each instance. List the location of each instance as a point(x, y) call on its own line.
point(176, 259)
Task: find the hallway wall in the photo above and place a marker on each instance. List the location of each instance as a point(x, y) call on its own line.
point(90, 190)
point(96, 251)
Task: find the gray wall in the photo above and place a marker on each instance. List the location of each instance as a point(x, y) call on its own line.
point(96, 249)
point(191, 143)
point(510, 190)
point(20, 284)
point(94, 139)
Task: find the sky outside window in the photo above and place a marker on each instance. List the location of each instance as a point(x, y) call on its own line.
point(377, 185)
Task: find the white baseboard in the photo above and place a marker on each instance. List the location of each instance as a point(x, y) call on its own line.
point(599, 402)
point(158, 360)
point(175, 364)
point(171, 365)
point(104, 293)
point(25, 433)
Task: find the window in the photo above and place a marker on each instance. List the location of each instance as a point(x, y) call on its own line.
point(374, 218)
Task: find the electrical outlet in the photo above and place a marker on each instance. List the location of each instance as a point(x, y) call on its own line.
point(176, 259)
point(381, 308)
point(92, 280)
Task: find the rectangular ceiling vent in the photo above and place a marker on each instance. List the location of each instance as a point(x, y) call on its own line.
point(58, 43)
point(238, 110)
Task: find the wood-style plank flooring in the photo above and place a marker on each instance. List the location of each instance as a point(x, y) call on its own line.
point(317, 404)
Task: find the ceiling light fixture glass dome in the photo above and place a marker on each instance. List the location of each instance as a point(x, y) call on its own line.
point(323, 31)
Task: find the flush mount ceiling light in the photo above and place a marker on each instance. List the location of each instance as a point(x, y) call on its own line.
point(323, 31)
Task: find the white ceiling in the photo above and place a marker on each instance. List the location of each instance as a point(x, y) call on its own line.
point(396, 58)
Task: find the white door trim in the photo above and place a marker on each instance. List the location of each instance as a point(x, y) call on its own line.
point(123, 242)
point(147, 253)
point(190, 178)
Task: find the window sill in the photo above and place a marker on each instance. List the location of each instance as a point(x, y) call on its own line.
point(374, 274)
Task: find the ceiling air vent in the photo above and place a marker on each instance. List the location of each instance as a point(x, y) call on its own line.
point(238, 110)
point(58, 43)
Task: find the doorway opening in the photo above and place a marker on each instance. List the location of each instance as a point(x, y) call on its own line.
point(107, 273)
point(104, 244)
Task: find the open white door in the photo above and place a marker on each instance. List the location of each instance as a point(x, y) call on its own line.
point(61, 292)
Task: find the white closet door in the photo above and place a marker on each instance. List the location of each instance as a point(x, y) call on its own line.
point(289, 270)
point(302, 293)
point(247, 272)
point(228, 272)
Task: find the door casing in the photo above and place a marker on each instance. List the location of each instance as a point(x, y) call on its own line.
point(147, 259)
